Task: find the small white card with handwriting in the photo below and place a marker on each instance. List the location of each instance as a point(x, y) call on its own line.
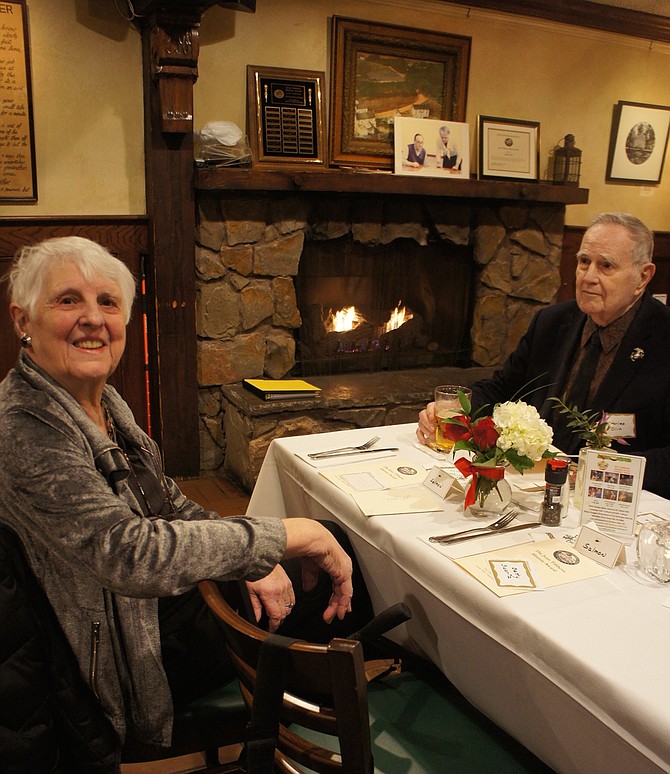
point(445, 482)
point(515, 574)
point(603, 549)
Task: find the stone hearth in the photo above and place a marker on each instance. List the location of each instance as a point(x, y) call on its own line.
point(249, 249)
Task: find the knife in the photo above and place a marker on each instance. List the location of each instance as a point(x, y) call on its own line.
point(325, 455)
point(447, 540)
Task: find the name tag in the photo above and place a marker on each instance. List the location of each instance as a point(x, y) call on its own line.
point(621, 425)
point(442, 482)
point(601, 548)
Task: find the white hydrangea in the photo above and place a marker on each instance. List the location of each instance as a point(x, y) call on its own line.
point(521, 428)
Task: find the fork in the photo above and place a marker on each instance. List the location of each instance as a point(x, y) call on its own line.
point(362, 447)
point(500, 523)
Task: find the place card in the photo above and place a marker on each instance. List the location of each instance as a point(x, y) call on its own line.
point(612, 486)
point(445, 482)
point(603, 549)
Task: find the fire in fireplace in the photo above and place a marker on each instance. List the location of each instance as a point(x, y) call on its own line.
point(401, 305)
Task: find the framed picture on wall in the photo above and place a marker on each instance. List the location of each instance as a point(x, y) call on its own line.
point(381, 71)
point(429, 148)
point(18, 176)
point(638, 142)
point(508, 148)
point(285, 116)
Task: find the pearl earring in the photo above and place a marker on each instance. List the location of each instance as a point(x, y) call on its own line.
point(26, 341)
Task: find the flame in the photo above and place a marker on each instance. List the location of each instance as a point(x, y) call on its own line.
point(344, 320)
point(399, 316)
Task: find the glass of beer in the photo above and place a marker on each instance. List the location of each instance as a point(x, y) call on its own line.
point(447, 405)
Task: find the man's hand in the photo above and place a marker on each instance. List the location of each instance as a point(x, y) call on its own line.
point(425, 432)
point(275, 593)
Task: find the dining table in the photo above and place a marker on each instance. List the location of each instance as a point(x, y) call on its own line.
point(578, 672)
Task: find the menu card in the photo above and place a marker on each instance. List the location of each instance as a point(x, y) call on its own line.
point(530, 567)
point(612, 486)
point(384, 488)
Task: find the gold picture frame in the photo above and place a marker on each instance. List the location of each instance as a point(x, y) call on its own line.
point(432, 65)
point(285, 117)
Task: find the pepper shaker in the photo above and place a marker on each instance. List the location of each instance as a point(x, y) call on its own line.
point(555, 476)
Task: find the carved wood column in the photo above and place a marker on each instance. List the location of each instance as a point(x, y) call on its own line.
point(170, 58)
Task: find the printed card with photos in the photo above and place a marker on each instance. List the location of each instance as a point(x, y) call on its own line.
point(612, 486)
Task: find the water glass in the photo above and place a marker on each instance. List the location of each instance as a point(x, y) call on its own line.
point(653, 550)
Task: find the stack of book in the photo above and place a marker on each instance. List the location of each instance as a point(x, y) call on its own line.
point(281, 389)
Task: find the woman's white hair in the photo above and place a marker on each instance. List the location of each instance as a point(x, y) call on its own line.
point(33, 262)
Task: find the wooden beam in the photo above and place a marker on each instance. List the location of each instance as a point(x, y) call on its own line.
point(595, 16)
point(170, 52)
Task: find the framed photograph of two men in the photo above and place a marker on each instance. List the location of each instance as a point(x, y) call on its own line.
point(380, 71)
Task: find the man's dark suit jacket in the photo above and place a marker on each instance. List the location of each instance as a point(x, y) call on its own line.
point(631, 386)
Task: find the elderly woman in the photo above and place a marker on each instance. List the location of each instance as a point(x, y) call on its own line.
point(116, 546)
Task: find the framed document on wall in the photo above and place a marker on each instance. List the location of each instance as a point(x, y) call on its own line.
point(508, 148)
point(18, 179)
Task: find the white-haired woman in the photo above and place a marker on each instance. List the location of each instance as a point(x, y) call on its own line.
point(116, 546)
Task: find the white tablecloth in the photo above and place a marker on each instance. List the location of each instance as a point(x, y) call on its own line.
point(579, 673)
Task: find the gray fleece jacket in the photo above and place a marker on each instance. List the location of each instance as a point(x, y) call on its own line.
point(102, 564)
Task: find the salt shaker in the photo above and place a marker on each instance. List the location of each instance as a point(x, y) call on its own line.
point(555, 476)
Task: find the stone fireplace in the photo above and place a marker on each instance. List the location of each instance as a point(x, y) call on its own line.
point(498, 262)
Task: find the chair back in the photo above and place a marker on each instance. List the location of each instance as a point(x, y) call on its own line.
point(324, 690)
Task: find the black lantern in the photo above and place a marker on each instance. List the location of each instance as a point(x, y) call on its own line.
point(567, 162)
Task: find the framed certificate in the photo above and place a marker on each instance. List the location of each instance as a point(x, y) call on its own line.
point(284, 116)
point(508, 148)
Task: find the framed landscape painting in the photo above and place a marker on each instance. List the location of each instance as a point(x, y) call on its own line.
point(381, 71)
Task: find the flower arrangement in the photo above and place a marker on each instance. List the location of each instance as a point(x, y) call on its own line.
point(514, 434)
point(591, 426)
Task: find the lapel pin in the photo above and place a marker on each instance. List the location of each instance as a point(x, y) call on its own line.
point(637, 354)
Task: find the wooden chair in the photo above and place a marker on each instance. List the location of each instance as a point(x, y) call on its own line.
point(333, 720)
point(49, 718)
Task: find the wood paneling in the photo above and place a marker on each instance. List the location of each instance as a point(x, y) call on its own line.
point(572, 239)
point(596, 16)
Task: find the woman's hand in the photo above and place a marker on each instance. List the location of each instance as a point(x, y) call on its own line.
point(317, 550)
point(275, 593)
point(425, 432)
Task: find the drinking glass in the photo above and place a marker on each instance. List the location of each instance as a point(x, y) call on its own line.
point(447, 405)
point(653, 550)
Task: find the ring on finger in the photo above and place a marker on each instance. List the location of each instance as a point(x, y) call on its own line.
point(290, 605)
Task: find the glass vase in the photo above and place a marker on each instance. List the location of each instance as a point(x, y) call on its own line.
point(491, 497)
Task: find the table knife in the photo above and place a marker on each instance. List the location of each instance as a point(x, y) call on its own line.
point(448, 540)
point(326, 455)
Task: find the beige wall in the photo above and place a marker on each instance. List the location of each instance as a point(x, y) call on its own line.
point(88, 94)
point(87, 106)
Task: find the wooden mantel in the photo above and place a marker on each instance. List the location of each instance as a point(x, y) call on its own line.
point(349, 181)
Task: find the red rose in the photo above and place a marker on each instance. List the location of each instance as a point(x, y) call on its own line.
point(459, 432)
point(484, 433)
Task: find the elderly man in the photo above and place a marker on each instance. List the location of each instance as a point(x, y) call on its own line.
point(607, 351)
point(448, 153)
